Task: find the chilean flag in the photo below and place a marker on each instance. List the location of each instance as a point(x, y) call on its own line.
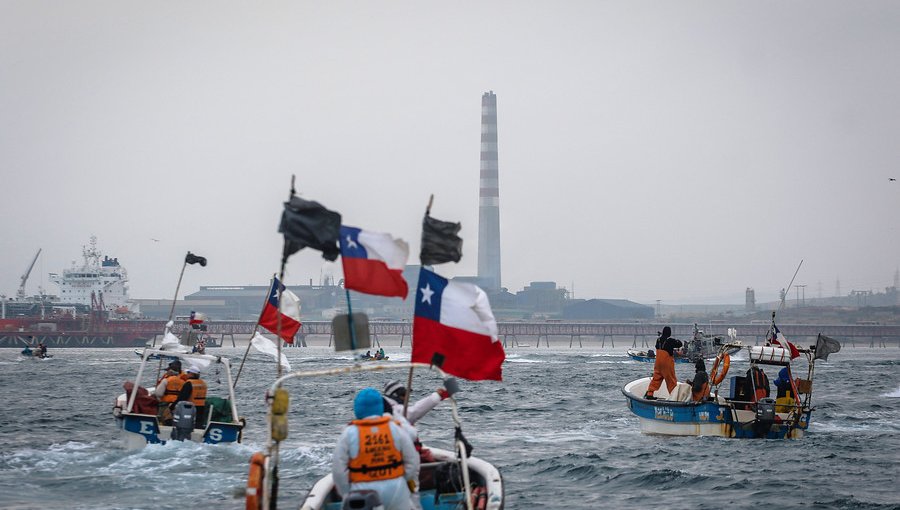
point(196, 318)
point(290, 312)
point(454, 319)
point(373, 262)
point(778, 338)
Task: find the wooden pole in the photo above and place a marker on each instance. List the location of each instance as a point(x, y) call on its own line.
point(253, 334)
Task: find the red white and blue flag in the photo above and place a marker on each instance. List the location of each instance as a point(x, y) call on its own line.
point(454, 320)
point(290, 312)
point(373, 262)
point(196, 318)
point(777, 338)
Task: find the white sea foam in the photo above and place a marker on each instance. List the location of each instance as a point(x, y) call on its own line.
point(892, 394)
point(524, 360)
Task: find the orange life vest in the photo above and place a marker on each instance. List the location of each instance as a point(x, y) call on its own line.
point(760, 383)
point(198, 391)
point(378, 458)
point(173, 388)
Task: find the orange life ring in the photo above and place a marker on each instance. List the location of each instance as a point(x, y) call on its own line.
point(479, 498)
point(255, 481)
point(715, 378)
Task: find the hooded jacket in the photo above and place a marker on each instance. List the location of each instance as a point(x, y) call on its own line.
point(394, 492)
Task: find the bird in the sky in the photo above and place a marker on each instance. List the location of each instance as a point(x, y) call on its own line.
point(154, 240)
point(891, 179)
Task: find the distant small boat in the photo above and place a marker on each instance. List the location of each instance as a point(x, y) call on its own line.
point(28, 351)
point(140, 353)
point(363, 357)
point(650, 356)
point(700, 346)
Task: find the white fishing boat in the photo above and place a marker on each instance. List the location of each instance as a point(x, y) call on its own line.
point(454, 479)
point(742, 408)
point(700, 346)
point(135, 410)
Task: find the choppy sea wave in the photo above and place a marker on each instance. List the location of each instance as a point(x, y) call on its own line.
point(557, 427)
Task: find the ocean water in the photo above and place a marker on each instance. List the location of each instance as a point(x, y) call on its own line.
point(557, 427)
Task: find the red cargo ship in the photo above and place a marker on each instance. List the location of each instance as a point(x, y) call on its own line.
point(93, 330)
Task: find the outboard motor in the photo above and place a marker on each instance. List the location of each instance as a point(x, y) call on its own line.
point(362, 499)
point(183, 420)
point(765, 416)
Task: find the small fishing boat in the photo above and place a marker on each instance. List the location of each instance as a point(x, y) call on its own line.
point(454, 479)
point(363, 357)
point(700, 346)
point(740, 409)
point(140, 354)
point(135, 410)
point(649, 356)
point(35, 353)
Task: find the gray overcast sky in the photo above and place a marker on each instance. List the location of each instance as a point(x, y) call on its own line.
point(680, 151)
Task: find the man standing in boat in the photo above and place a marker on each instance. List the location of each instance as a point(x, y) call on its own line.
point(664, 366)
point(374, 453)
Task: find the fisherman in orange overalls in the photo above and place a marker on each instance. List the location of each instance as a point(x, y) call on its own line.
point(664, 366)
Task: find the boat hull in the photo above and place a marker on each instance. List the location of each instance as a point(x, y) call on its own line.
point(59, 333)
point(139, 430)
point(322, 496)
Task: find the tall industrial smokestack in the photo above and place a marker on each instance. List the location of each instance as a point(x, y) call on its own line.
point(489, 197)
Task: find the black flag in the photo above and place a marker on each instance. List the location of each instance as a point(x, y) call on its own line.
point(307, 223)
point(825, 346)
point(195, 259)
point(439, 242)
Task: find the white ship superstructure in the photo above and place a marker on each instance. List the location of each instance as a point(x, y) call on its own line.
point(101, 280)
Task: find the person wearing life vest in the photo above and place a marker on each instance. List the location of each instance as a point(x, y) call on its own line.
point(664, 365)
point(757, 383)
point(167, 390)
point(784, 396)
point(194, 391)
point(374, 453)
point(700, 382)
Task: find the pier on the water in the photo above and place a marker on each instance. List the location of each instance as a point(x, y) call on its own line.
point(609, 334)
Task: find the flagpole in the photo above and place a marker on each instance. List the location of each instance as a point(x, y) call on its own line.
point(253, 334)
point(284, 258)
point(177, 287)
point(412, 340)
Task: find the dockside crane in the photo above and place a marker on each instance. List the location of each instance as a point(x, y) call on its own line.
point(21, 292)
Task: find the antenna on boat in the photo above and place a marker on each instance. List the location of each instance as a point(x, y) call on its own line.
point(781, 306)
point(784, 295)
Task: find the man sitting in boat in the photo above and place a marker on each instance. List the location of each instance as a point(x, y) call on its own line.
point(194, 390)
point(664, 366)
point(700, 382)
point(42, 350)
point(167, 390)
point(144, 402)
point(374, 453)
